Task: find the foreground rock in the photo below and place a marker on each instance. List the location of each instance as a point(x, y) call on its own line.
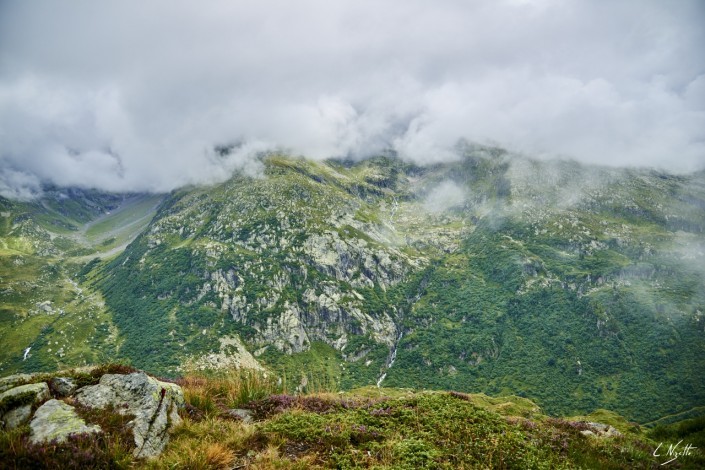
point(63, 386)
point(16, 403)
point(241, 414)
point(6, 383)
point(600, 430)
point(55, 420)
point(153, 403)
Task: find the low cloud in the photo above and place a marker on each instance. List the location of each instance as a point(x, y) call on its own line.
point(446, 195)
point(136, 95)
point(19, 185)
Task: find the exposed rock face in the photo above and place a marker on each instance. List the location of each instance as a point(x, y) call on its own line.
point(232, 354)
point(16, 403)
point(153, 403)
point(314, 247)
point(55, 420)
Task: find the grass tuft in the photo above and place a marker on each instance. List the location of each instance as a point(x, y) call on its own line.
point(209, 395)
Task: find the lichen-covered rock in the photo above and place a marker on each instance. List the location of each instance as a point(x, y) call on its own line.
point(55, 420)
point(34, 393)
point(14, 402)
point(154, 404)
point(17, 417)
point(6, 383)
point(63, 386)
point(97, 396)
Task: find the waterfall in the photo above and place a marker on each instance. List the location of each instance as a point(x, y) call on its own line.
point(390, 361)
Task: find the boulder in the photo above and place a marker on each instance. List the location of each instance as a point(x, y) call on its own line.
point(17, 417)
point(241, 414)
point(153, 403)
point(16, 403)
point(97, 396)
point(63, 386)
point(55, 420)
point(6, 383)
point(600, 430)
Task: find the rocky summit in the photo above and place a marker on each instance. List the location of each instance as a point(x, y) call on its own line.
point(580, 287)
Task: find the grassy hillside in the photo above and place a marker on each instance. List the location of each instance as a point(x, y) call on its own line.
point(44, 246)
point(363, 428)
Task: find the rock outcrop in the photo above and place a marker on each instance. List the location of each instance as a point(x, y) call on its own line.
point(63, 386)
point(16, 403)
point(11, 381)
point(153, 403)
point(56, 420)
point(600, 430)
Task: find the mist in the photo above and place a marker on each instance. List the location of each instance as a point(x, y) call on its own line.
point(445, 195)
point(134, 96)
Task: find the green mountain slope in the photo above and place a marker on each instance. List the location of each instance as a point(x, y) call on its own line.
point(47, 319)
point(579, 287)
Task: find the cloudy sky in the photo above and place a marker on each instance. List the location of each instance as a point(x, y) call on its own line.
point(133, 95)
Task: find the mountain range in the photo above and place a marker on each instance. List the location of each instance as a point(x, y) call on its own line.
point(580, 287)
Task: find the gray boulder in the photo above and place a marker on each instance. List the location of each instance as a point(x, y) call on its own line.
point(600, 430)
point(154, 404)
point(98, 396)
point(55, 420)
point(63, 386)
point(11, 381)
point(17, 417)
point(239, 413)
point(16, 403)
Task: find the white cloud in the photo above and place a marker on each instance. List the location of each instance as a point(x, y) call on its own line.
point(445, 195)
point(134, 95)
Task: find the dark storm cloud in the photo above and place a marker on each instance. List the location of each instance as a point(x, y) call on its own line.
point(131, 95)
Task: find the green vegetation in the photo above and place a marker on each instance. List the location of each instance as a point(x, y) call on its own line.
point(690, 431)
point(579, 288)
point(363, 428)
point(43, 305)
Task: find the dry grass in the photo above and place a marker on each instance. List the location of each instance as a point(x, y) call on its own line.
point(271, 458)
point(209, 444)
point(218, 456)
point(214, 393)
point(205, 440)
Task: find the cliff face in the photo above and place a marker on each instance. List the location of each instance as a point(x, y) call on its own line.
point(578, 286)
